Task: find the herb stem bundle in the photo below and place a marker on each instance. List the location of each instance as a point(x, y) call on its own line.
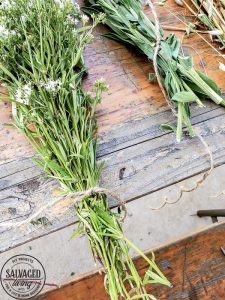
point(42, 65)
point(182, 82)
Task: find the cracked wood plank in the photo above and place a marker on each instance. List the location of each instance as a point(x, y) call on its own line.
point(194, 265)
point(147, 167)
point(154, 164)
point(140, 130)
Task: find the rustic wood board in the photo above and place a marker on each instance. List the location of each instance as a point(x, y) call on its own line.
point(147, 167)
point(194, 265)
point(131, 96)
point(130, 140)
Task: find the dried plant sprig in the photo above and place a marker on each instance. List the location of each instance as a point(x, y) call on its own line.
point(41, 62)
point(211, 15)
point(182, 82)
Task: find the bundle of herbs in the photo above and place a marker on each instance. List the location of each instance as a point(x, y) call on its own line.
point(209, 15)
point(181, 82)
point(41, 63)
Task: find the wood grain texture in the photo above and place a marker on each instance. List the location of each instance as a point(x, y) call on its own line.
point(146, 166)
point(194, 265)
point(140, 158)
point(159, 162)
point(131, 96)
point(138, 131)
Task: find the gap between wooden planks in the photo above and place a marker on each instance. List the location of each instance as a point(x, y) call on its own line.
point(147, 167)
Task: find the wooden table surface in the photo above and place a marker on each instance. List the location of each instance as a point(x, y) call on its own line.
point(195, 266)
point(139, 157)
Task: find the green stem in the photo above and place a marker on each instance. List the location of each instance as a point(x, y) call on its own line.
point(179, 121)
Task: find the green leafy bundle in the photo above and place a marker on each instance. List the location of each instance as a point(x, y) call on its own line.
point(182, 82)
point(41, 63)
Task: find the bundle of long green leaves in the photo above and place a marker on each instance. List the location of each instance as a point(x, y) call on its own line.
point(182, 82)
point(41, 63)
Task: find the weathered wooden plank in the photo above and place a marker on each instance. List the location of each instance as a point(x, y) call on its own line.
point(144, 227)
point(130, 97)
point(14, 167)
point(154, 164)
point(160, 152)
point(194, 265)
point(140, 130)
point(147, 167)
point(18, 172)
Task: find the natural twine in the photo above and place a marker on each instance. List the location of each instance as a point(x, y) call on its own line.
point(77, 197)
point(155, 65)
point(155, 56)
point(184, 189)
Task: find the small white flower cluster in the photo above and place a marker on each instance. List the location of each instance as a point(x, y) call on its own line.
point(101, 84)
point(73, 20)
point(4, 32)
point(23, 94)
point(84, 19)
point(99, 81)
point(5, 4)
point(51, 85)
point(23, 18)
point(62, 3)
point(77, 5)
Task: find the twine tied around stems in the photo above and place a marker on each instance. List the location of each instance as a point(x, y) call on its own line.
point(76, 197)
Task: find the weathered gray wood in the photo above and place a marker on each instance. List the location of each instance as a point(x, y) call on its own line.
point(140, 130)
point(146, 228)
point(157, 163)
point(18, 172)
point(131, 172)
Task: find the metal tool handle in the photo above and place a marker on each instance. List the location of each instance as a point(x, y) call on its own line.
point(211, 213)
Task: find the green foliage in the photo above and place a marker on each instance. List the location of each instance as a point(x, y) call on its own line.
point(42, 66)
point(178, 76)
point(41, 63)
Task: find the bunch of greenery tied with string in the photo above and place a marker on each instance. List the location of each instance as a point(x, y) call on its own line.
point(181, 82)
point(41, 63)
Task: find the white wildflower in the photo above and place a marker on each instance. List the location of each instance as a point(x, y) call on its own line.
point(23, 94)
point(5, 4)
point(100, 81)
point(12, 32)
point(77, 5)
point(84, 19)
point(101, 84)
point(51, 85)
point(23, 18)
point(4, 32)
point(61, 3)
point(73, 20)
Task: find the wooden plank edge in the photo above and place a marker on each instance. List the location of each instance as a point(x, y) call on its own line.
point(160, 247)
